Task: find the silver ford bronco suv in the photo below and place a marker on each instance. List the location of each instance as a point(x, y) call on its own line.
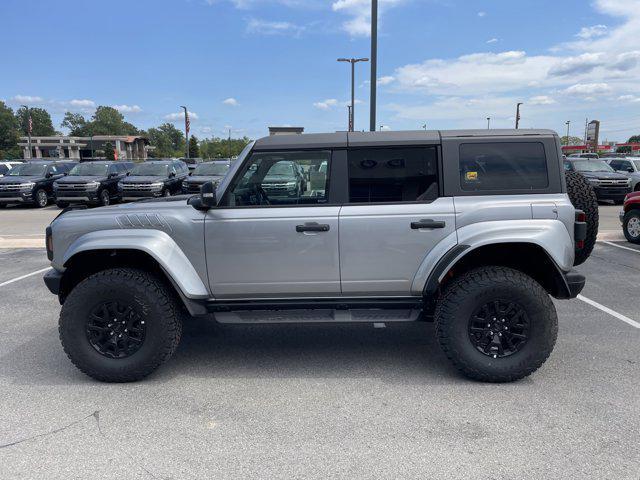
point(471, 230)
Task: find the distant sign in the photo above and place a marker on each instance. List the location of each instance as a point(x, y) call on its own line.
point(593, 132)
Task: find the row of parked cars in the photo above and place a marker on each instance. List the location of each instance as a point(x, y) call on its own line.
point(100, 183)
point(612, 178)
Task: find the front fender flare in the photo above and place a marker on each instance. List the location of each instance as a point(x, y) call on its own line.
point(157, 244)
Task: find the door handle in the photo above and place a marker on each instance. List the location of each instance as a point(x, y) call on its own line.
point(427, 223)
point(312, 227)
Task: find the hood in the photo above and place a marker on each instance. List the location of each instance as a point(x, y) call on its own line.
point(20, 179)
point(81, 179)
point(279, 179)
point(604, 175)
point(143, 179)
point(204, 178)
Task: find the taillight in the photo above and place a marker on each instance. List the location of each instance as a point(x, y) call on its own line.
point(581, 216)
point(49, 243)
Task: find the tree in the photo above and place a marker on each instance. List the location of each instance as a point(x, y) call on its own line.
point(572, 140)
point(222, 147)
point(634, 139)
point(76, 124)
point(9, 133)
point(109, 152)
point(194, 150)
point(42, 126)
point(167, 140)
point(624, 149)
point(109, 121)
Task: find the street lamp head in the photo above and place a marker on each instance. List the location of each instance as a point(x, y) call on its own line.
point(361, 59)
point(344, 60)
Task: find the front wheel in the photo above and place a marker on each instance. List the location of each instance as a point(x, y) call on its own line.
point(105, 199)
point(496, 324)
point(631, 226)
point(41, 198)
point(166, 192)
point(119, 325)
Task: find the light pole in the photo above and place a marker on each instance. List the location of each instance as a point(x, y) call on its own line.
point(229, 144)
point(29, 127)
point(349, 123)
point(518, 114)
point(568, 122)
point(186, 127)
point(353, 62)
point(488, 123)
point(374, 65)
point(424, 126)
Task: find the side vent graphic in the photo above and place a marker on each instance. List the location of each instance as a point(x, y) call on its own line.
point(143, 220)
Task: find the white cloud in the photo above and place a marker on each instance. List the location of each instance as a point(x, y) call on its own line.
point(492, 40)
point(586, 33)
point(266, 27)
point(128, 108)
point(580, 64)
point(482, 14)
point(628, 98)
point(588, 89)
point(326, 104)
point(27, 99)
point(541, 100)
point(359, 11)
point(82, 103)
point(180, 116)
point(386, 80)
point(231, 102)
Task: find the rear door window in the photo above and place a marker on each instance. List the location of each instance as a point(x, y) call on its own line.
point(392, 175)
point(503, 166)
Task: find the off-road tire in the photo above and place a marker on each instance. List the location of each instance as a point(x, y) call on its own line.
point(583, 197)
point(62, 204)
point(150, 298)
point(166, 192)
point(634, 217)
point(465, 294)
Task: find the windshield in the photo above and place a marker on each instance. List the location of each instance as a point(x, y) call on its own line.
point(281, 168)
point(592, 166)
point(211, 169)
point(28, 170)
point(90, 169)
point(151, 169)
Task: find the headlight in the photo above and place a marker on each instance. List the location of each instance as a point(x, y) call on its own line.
point(120, 184)
point(593, 181)
point(156, 185)
point(55, 185)
point(92, 186)
point(26, 186)
point(628, 182)
point(291, 184)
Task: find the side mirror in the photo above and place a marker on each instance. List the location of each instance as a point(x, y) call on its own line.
point(113, 175)
point(48, 175)
point(172, 174)
point(208, 195)
point(128, 173)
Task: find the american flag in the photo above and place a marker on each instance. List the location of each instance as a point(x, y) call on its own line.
point(187, 122)
point(30, 125)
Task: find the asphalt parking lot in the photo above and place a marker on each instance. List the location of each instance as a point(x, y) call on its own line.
point(321, 401)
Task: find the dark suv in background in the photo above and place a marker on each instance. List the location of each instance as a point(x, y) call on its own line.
point(607, 184)
point(91, 183)
point(206, 172)
point(155, 178)
point(32, 182)
point(285, 180)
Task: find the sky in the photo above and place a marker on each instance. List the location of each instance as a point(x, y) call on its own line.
point(250, 64)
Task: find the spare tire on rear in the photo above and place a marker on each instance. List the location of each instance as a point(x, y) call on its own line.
point(583, 197)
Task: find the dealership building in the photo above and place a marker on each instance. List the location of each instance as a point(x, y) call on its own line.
point(126, 147)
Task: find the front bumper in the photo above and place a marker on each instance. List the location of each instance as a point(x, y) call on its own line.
point(16, 197)
point(131, 196)
point(53, 280)
point(611, 193)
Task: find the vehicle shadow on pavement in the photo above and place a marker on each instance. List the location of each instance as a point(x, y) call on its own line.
point(399, 353)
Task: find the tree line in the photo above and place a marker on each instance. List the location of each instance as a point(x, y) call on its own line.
point(168, 140)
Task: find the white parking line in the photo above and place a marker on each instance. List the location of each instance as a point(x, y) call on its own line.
point(24, 276)
point(613, 313)
point(620, 246)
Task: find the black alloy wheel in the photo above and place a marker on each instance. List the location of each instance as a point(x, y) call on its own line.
point(115, 329)
point(499, 328)
point(105, 200)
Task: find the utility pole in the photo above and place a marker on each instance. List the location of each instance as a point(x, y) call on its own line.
point(29, 126)
point(229, 144)
point(374, 65)
point(186, 127)
point(488, 122)
point(353, 62)
point(518, 115)
point(568, 122)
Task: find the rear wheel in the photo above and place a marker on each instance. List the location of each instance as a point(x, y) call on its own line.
point(583, 197)
point(631, 226)
point(119, 325)
point(496, 324)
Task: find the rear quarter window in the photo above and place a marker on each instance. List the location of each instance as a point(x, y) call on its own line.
point(503, 166)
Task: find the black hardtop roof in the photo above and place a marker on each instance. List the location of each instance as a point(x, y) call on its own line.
point(384, 138)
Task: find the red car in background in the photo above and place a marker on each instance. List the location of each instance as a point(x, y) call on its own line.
point(630, 217)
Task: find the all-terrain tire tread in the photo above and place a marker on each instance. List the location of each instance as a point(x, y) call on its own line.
point(583, 197)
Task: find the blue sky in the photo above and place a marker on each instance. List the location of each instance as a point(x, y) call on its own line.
point(249, 64)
